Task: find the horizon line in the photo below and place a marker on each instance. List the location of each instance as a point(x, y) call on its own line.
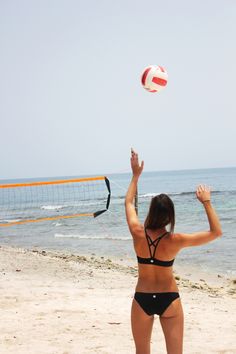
point(117, 173)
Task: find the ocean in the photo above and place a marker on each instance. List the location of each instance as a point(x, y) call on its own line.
point(108, 235)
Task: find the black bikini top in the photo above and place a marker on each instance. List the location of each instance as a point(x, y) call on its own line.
point(152, 260)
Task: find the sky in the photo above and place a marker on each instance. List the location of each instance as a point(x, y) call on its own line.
point(71, 101)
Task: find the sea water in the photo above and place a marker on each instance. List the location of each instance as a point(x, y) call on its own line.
point(108, 234)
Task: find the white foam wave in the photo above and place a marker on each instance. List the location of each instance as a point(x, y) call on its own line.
point(71, 205)
point(9, 221)
point(151, 195)
point(58, 224)
point(148, 195)
point(52, 207)
point(91, 237)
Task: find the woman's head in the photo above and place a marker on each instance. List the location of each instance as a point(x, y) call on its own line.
point(161, 213)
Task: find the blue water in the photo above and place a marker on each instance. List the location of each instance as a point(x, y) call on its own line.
point(108, 235)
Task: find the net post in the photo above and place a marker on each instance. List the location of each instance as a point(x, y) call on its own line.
point(109, 192)
point(99, 212)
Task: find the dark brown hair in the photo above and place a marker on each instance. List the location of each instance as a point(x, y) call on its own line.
point(161, 213)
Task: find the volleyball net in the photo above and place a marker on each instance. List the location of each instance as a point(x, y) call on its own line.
point(37, 201)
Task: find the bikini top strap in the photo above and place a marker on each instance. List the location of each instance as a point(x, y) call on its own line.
point(154, 243)
point(159, 239)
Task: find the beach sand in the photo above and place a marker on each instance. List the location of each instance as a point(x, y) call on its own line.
point(66, 304)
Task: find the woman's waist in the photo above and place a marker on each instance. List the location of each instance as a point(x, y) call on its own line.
point(157, 285)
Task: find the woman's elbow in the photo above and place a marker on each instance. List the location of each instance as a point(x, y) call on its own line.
point(218, 233)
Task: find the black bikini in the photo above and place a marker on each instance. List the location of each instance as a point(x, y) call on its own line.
point(155, 303)
point(152, 260)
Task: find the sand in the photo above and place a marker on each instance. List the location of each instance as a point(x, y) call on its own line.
point(61, 303)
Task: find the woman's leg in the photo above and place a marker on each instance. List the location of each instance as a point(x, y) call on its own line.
point(141, 328)
point(172, 322)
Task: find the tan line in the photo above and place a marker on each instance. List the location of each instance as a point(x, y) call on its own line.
point(46, 219)
point(31, 184)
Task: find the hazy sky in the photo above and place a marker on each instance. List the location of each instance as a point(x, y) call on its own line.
point(71, 101)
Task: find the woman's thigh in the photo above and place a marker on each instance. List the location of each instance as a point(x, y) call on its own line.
point(142, 328)
point(172, 322)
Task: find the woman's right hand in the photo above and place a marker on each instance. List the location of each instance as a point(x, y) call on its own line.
point(136, 167)
point(203, 193)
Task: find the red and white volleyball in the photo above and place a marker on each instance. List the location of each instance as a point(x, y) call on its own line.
point(154, 78)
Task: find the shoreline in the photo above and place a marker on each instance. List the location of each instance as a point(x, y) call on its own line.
point(58, 302)
point(204, 260)
point(184, 274)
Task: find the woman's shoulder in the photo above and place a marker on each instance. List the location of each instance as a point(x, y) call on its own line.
point(138, 232)
point(175, 239)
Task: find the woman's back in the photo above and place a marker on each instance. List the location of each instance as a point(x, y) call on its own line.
point(155, 251)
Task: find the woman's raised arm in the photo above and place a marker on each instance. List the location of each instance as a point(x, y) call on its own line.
point(203, 194)
point(131, 216)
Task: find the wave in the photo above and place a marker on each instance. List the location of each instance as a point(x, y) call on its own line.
point(91, 237)
point(227, 219)
point(72, 205)
point(153, 194)
point(58, 224)
point(150, 195)
point(193, 192)
point(52, 207)
point(9, 221)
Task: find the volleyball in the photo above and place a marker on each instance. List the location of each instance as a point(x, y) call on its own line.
point(154, 78)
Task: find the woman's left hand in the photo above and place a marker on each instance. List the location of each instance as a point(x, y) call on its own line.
point(135, 166)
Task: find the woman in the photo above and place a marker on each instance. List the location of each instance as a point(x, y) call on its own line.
point(156, 249)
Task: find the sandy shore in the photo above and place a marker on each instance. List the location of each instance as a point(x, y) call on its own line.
point(60, 303)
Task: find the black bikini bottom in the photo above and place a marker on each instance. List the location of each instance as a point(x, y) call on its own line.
point(155, 303)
